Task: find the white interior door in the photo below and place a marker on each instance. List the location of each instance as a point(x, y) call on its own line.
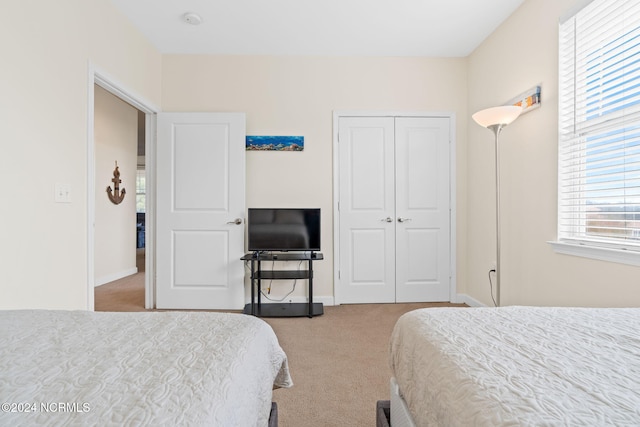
point(394, 217)
point(200, 210)
point(367, 212)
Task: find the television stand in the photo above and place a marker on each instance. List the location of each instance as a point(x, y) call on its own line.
point(256, 308)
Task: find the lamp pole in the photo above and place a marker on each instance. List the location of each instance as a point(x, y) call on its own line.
point(496, 131)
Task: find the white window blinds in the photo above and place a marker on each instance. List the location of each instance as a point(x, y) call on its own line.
point(599, 125)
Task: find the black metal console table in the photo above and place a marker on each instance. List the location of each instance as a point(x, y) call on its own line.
point(256, 308)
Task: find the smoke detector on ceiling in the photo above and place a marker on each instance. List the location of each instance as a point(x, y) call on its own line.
point(192, 18)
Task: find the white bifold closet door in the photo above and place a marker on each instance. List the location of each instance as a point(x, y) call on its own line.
point(394, 209)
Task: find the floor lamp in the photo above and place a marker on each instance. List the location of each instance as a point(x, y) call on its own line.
point(496, 119)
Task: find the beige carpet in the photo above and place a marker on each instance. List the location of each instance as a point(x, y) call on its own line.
point(339, 364)
point(338, 361)
point(126, 294)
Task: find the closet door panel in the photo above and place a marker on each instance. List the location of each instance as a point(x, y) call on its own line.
point(422, 209)
point(367, 257)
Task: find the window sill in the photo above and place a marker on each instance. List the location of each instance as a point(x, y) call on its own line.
point(594, 252)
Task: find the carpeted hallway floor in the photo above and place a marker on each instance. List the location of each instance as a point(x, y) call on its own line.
point(338, 361)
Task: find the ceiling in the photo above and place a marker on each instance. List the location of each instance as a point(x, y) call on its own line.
point(433, 28)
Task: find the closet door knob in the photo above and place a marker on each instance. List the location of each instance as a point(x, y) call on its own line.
point(400, 219)
point(236, 221)
point(387, 219)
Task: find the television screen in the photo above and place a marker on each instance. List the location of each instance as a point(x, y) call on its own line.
point(284, 229)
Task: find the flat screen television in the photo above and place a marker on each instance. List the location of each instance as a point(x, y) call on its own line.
point(283, 229)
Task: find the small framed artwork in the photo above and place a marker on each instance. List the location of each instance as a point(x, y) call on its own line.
point(275, 143)
point(528, 100)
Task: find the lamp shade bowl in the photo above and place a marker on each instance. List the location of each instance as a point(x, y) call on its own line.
point(502, 115)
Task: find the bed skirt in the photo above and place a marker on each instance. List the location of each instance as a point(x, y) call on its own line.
point(400, 416)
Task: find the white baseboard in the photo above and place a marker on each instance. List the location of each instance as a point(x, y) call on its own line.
point(470, 301)
point(115, 276)
point(330, 301)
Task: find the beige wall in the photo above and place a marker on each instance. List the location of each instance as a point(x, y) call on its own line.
point(44, 107)
point(115, 136)
point(297, 96)
point(519, 55)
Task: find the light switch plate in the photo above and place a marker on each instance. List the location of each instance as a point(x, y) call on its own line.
point(62, 193)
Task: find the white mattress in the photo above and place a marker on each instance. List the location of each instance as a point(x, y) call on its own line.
point(519, 366)
point(132, 369)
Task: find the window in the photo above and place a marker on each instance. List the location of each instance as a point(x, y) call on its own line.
point(599, 126)
point(141, 191)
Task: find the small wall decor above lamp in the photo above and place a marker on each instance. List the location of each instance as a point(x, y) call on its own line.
point(495, 119)
point(528, 100)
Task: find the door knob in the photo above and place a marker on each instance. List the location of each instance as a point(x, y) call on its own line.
point(400, 219)
point(236, 221)
point(387, 219)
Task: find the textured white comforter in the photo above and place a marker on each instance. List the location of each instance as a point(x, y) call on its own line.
point(170, 368)
point(519, 366)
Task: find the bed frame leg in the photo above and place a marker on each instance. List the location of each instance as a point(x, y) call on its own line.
point(273, 415)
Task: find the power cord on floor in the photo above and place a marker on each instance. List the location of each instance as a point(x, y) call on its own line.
point(493, 270)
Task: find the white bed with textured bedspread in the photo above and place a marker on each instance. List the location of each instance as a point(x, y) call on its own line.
point(519, 366)
point(154, 368)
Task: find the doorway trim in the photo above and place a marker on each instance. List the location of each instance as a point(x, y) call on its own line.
point(99, 77)
point(337, 114)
